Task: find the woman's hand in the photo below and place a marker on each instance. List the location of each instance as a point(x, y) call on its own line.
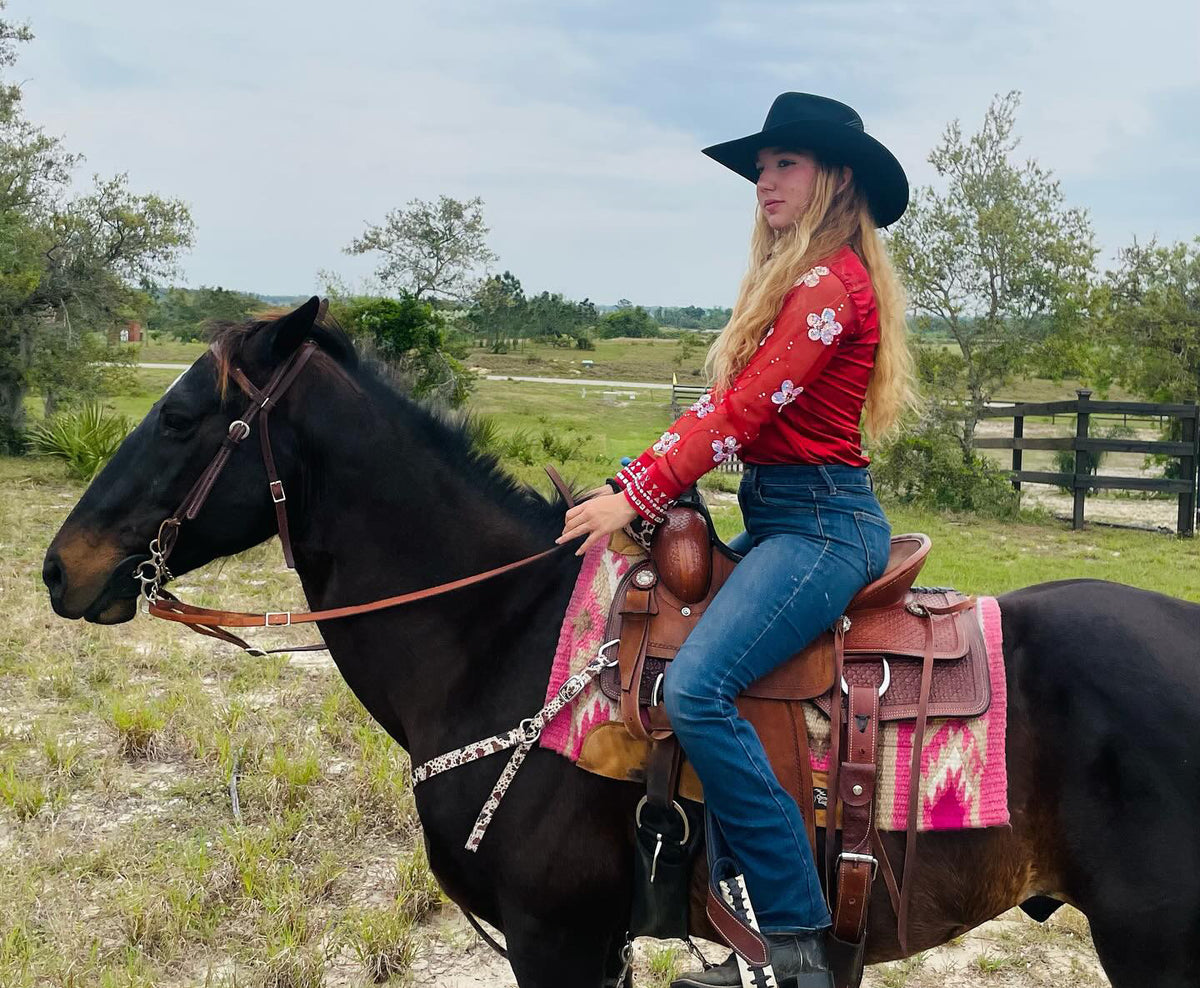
point(597, 518)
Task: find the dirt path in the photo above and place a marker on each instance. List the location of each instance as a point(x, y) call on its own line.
point(1012, 950)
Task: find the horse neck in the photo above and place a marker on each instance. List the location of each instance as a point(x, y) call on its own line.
point(387, 510)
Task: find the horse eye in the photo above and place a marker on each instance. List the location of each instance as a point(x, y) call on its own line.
point(174, 421)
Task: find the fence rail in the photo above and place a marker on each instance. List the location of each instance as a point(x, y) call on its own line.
point(1187, 450)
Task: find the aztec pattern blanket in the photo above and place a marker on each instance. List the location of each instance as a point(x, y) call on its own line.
point(963, 778)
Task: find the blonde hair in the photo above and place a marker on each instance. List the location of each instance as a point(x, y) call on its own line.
point(834, 217)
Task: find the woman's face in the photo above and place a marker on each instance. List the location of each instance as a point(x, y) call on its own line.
point(785, 184)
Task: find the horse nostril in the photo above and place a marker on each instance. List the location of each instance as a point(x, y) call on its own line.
point(52, 574)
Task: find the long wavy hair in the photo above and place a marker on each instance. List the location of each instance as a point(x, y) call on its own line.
point(834, 217)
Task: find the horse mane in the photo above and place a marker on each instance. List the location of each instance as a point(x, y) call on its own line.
point(445, 429)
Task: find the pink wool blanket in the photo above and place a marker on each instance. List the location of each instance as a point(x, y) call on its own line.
point(964, 780)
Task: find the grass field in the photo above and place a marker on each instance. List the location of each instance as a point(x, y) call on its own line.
point(123, 861)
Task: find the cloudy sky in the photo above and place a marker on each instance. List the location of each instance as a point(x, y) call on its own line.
point(289, 125)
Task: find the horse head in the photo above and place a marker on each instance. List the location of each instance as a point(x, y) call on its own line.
point(90, 567)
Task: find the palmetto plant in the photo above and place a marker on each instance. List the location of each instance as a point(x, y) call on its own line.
point(86, 438)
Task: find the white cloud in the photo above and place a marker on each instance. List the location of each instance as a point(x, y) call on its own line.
point(288, 126)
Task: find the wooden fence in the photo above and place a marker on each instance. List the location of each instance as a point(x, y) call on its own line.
point(1186, 449)
point(1085, 412)
point(684, 395)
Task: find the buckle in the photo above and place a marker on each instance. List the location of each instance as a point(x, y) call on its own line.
point(277, 494)
point(656, 692)
point(861, 859)
point(268, 623)
point(238, 430)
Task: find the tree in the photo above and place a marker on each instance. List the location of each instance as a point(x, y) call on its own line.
point(69, 267)
point(410, 336)
point(550, 316)
point(185, 312)
point(430, 250)
point(1151, 325)
point(498, 310)
point(635, 322)
point(996, 256)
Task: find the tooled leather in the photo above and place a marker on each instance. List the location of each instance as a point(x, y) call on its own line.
point(960, 687)
point(960, 682)
point(683, 555)
point(897, 631)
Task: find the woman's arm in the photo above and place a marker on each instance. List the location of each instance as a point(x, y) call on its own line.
point(794, 351)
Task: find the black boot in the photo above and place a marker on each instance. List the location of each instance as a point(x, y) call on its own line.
point(798, 959)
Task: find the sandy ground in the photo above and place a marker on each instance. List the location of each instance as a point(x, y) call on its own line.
point(1009, 951)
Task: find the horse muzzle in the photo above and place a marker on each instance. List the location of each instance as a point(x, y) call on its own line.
point(92, 588)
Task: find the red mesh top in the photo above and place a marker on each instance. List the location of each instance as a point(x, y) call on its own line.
point(798, 400)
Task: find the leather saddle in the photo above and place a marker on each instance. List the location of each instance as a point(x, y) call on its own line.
point(899, 652)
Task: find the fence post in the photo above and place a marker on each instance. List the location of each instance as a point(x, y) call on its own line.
point(1082, 416)
point(1018, 432)
point(1186, 524)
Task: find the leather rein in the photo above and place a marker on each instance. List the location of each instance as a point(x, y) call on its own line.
point(153, 572)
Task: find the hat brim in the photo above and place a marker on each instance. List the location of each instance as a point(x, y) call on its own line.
point(876, 170)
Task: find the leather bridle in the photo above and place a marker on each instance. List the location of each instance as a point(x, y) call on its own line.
point(152, 573)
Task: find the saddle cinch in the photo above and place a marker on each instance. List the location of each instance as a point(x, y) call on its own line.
point(899, 653)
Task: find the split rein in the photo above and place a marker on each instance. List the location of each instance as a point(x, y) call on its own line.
point(152, 573)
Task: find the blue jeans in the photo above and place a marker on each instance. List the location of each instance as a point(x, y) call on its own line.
point(815, 535)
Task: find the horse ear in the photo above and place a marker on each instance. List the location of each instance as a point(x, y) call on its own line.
point(294, 328)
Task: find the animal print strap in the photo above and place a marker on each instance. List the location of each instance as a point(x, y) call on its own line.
point(733, 891)
point(522, 737)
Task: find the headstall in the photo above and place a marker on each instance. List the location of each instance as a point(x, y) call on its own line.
point(152, 573)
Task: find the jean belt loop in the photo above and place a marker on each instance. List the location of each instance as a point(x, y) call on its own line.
point(870, 480)
point(828, 480)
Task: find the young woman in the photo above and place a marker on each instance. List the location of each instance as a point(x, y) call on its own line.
point(816, 344)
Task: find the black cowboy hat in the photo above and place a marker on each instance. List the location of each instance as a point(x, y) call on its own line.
point(834, 133)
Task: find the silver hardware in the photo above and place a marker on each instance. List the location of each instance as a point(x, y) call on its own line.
point(856, 789)
point(600, 653)
point(654, 860)
point(887, 680)
point(687, 827)
point(277, 496)
point(860, 859)
point(257, 653)
point(844, 622)
point(656, 694)
point(244, 430)
point(644, 578)
point(152, 573)
point(530, 730)
point(685, 611)
point(626, 963)
point(268, 623)
point(913, 607)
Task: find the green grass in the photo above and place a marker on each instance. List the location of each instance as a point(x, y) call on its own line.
point(124, 862)
point(167, 351)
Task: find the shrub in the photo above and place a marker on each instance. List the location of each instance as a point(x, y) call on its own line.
point(85, 438)
point(928, 468)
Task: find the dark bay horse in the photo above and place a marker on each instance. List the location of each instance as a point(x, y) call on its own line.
point(386, 497)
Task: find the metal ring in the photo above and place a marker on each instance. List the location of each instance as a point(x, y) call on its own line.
point(687, 827)
point(883, 688)
point(530, 732)
point(155, 572)
point(245, 430)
